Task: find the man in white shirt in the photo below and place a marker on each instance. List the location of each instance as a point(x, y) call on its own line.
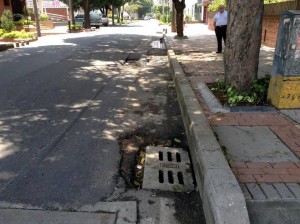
point(220, 23)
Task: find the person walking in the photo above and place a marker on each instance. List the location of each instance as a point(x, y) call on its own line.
point(220, 24)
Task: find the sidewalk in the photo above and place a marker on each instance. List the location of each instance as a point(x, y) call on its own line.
point(262, 148)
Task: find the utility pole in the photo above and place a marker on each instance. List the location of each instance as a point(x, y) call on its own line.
point(37, 20)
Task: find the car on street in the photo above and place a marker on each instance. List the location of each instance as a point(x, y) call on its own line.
point(95, 19)
point(104, 20)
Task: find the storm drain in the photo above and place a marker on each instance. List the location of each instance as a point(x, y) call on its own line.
point(167, 169)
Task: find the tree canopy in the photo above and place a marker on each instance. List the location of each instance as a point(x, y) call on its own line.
point(216, 3)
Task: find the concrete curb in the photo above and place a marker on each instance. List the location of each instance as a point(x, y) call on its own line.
point(223, 200)
point(213, 103)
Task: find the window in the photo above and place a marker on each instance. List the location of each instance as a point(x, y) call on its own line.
point(7, 2)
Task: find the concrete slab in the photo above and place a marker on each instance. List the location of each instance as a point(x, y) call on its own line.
point(274, 211)
point(17, 216)
point(293, 114)
point(254, 144)
point(126, 210)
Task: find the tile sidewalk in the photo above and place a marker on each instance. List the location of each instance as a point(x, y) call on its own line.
point(265, 179)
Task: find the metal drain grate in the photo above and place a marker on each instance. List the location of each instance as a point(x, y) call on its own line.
point(167, 169)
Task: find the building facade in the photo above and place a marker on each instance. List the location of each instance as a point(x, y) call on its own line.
point(194, 9)
point(5, 5)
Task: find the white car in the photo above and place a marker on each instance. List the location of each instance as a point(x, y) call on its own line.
point(104, 20)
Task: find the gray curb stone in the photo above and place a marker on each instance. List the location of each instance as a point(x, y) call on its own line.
point(223, 200)
point(213, 104)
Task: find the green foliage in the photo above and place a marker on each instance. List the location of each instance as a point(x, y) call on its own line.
point(214, 6)
point(28, 12)
point(1, 32)
point(165, 18)
point(18, 17)
point(17, 34)
point(76, 27)
point(272, 1)
point(188, 18)
point(7, 22)
point(44, 17)
point(257, 96)
point(23, 22)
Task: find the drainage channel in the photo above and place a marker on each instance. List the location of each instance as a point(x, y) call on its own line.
point(167, 169)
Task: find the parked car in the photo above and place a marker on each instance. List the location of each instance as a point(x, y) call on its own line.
point(104, 20)
point(95, 19)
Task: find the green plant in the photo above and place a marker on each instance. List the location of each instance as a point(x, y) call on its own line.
point(258, 94)
point(7, 22)
point(23, 22)
point(17, 17)
point(214, 6)
point(28, 12)
point(1, 32)
point(76, 27)
point(17, 34)
point(44, 17)
point(187, 18)
point(219, 85)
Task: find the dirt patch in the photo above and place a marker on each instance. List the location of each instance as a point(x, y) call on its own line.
point(133, 146)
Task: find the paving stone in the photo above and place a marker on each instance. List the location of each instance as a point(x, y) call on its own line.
point(255, 109)
point(270, 191)
point(246, 178)
point(293, 114)
point(274, 211)
point(254, 144)
point(290, 178)
point(245, 192)
point(294, 188)
point(267, 178)
point(256, 192)
point(283, 190)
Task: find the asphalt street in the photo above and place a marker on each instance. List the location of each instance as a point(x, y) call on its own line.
point(61, 100)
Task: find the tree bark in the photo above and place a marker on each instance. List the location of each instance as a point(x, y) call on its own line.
point(173, 19)
point(179, 6)
point(243, 42)
point(87, 21)
point(71, 12)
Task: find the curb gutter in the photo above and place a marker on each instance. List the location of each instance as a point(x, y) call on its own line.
point(222, 198)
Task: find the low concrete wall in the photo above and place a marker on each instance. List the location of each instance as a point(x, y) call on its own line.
point(223, 201)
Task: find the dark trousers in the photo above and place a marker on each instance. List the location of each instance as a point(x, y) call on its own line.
point(220, 33)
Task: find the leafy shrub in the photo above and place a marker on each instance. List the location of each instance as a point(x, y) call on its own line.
point(214, 6)
point(28, 12)
point(17, 34)
point(44, 17)
point(1, 32)
point(7, 22)
point(18, 17)
point(23, 22)
point(187, 18)
point(76, 27)
point(257, 96)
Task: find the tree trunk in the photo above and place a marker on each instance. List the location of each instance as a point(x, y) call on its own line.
point(243, 42)
point(179, 6)
point(173, 19)
point(113, 15)
point(71, 12)
point(87, 22)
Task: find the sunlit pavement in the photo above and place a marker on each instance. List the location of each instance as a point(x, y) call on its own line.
point(64, 101)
